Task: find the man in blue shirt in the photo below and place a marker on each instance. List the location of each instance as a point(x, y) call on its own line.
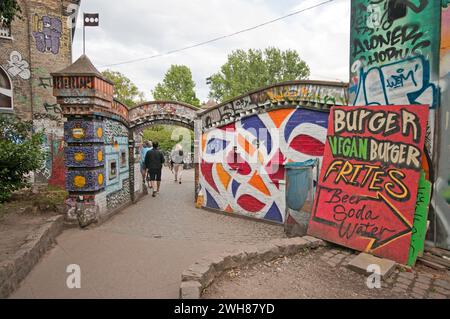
point(147, 147)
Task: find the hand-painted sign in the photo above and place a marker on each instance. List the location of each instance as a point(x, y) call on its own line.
point(419, 229)
point(368, 184)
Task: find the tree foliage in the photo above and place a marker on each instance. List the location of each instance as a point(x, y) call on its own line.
point(177, 86)
point(168, 136)
point(20, 153)
point(245, 71)
point(9, 10)
point(124, 90)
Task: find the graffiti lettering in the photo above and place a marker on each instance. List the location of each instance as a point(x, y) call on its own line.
point(46, 82)
point(405, 35)
point(407, 82)
point(368, 184)
point(47, 33)
point(52, 107)
point(18, 66)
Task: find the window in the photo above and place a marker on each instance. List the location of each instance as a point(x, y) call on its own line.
point(5, 32)
point(112, 170)
point(5, 91)
point(123, 159)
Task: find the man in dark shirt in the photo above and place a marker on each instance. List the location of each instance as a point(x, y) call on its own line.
point(154, 160)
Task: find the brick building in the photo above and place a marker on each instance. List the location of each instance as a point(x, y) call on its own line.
point(33, 47)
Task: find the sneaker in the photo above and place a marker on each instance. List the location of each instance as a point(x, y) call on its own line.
point(154, 194)
point(180, 182)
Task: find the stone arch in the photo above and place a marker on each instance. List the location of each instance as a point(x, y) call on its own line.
point(162, 112)
point(6, 90)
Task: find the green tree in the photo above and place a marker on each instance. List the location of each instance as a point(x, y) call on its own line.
point(9, 10)
point(177, 86)
point(166, 137)
point(20, 153)
point(124, 90)
point(246, 71)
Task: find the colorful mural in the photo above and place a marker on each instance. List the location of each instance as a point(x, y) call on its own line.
point(394, 52)
point(241, 169)
point(366, 195)
point(313, 94)
point(441, 195)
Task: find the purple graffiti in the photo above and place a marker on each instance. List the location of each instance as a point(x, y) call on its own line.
point(48, 39)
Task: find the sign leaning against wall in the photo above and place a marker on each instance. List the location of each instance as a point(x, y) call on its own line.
point(367, 189)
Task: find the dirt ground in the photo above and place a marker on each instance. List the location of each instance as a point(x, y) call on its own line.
point(304, 275)
point(24, 213)
point(14, 228)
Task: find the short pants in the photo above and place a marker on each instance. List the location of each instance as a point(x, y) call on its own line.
point(154, 174)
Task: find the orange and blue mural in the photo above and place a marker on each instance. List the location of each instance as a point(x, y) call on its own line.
point(242, 164)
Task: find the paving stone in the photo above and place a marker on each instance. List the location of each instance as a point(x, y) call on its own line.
point(434, 295)
point(399, 289)
point(408, 275)
point(419, 291)
point(421, 285)
point(417, 296)
point(315, 242)
point(328, 254)
point(425, 275)
point(399, 285)
point(339, 256)
point(405, 281)
point(424, 280)
point(332, 264)
point(442, 291)
point(363, 260)
point(442, 283)
point(190, 290)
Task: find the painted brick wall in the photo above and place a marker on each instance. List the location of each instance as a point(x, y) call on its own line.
point(39, 45)
point(251, 182)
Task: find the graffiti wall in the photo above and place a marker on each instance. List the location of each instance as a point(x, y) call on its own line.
point(366, 196)
point(394, 52)
point(394, 55)
point(441, 196)
point(242, 164)
point(314, 94)
point(39, 44)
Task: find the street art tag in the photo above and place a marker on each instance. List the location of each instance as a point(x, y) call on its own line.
point(367, 190)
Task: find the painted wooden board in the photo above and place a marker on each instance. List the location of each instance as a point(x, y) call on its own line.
point(419, 229)
point(366, 193)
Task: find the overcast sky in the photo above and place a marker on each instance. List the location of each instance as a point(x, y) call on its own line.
point(133, 29)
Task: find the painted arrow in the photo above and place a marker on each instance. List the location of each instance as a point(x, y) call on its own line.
point(372, 217)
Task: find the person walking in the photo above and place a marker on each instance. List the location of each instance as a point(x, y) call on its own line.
point(154, 160)
point(147, 147)
point(177, 158)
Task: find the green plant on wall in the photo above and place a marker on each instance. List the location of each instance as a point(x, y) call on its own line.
point(9, 10)
point(20, 153)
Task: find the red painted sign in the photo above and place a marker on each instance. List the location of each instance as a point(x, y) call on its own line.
point(366, 194)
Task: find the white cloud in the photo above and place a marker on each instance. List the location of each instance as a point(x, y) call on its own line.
point(137, 28)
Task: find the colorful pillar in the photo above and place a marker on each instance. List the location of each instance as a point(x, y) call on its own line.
point(85, 96)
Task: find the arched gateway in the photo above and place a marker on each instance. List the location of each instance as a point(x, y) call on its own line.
point(103, 142)
point(162, 112)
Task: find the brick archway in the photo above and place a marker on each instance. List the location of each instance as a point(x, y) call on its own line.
point(162, 112)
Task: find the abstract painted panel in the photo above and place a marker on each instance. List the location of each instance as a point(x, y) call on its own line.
point(242, 164)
